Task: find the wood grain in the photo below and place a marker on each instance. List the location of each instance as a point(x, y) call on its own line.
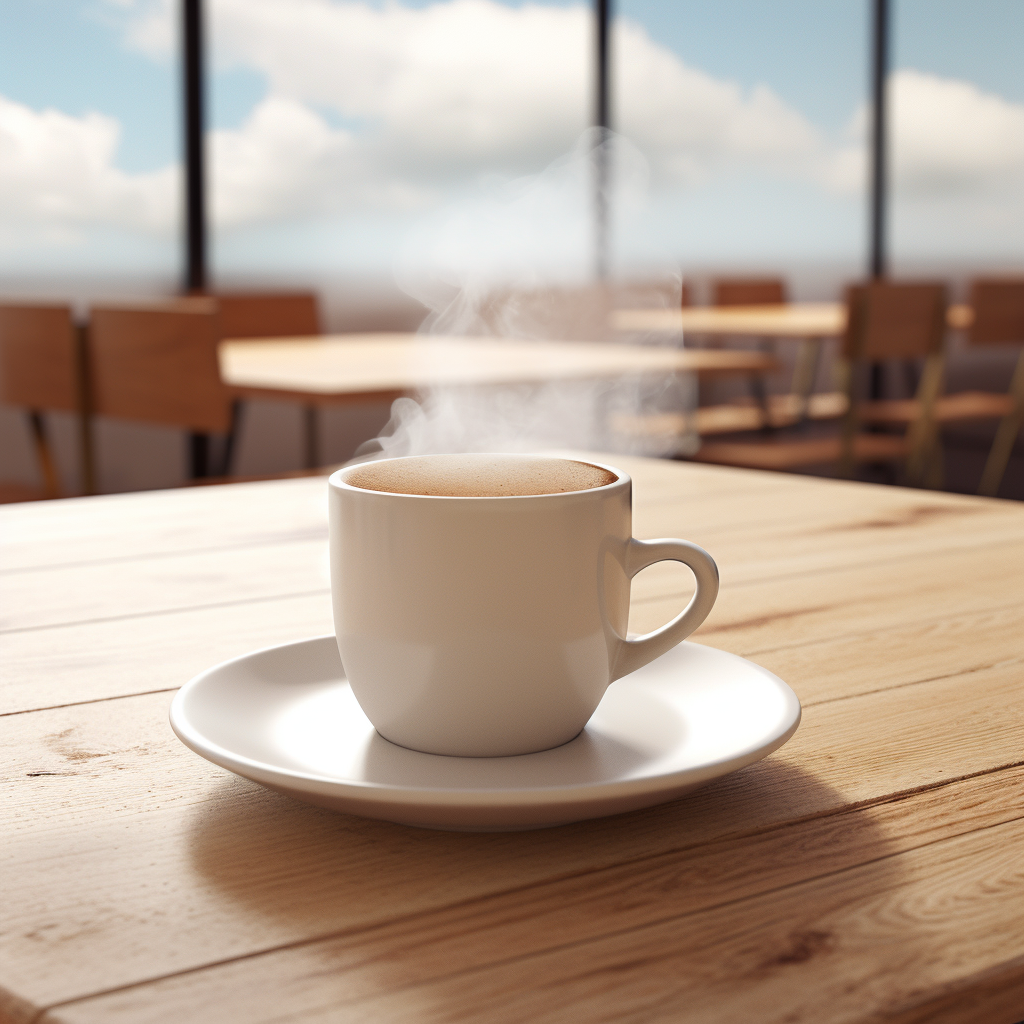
point(557, 913)
point(144, 832)
point(260, 564)
point(72, 664)
point(802, 609)
point(118, 527)
point(857, 946)
point(146, 586)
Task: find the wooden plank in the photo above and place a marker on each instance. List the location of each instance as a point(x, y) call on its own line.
point(190, 519)
point(825, 660)
point(701, 502)
point(866, 944)
point(844, 666)
point(117, 527)
point(145, 585)
point(766, 615)
point(814, 535)
point(558, 912)
point(991, 994)
point(97, 661)
point(127, 857)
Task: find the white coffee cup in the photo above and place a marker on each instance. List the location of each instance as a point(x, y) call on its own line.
point(476, 622)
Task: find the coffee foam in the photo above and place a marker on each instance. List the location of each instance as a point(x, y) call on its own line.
point(479, 476)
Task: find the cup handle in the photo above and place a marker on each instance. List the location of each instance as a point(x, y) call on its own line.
point(642, 553)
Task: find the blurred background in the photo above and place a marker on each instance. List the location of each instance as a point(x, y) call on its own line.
point(384, 153)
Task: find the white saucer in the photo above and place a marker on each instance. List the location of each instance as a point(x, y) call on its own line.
point(285, 717)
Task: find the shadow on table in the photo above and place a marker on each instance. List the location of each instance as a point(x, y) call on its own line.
point(299, 871)
point(510, 925)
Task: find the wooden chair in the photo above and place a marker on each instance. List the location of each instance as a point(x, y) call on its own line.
point(754, 291)
point(748, 291)
point(158, 364)
point(884, 321)
point(996, 317)
point(999, 320)
point(42, 370)
point(268, 314)
point(276, 315)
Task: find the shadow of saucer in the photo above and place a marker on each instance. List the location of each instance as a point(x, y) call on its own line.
point(314, 871)
point(288, 872)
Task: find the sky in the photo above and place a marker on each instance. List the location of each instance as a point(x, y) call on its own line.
point(375, 137)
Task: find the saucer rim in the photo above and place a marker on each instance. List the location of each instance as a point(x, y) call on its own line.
point(477, 798)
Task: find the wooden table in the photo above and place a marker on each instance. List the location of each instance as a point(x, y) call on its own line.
point(355, 367)
point(799, 320)
point(870, 870)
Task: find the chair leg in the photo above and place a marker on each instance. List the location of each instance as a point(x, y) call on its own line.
point(231, 437)
point(923, 434)
point(86, 454)
point(199, 455)
point(759, 390)
point(86, 449)
point(935, 472)
point(1006, 435)
point(310, 433)
point(805, 371)
point(44, 454)
point(999, 455)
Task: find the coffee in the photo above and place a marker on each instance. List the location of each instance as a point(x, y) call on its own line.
point(479, 476)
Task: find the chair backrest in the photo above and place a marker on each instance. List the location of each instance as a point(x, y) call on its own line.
point(894, 320)
point(39, 358)
point(268, 314)
point(748, 291)
point(159, 364)
point(550, 313)
point(998, 305)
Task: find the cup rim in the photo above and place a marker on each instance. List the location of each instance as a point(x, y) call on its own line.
point(622, 479)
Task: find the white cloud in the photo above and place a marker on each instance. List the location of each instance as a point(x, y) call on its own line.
point(60, 170)
point(949, 136)
point(455, 87)
point(469, 85)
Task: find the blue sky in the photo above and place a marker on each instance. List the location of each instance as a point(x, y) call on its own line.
point(812, 54)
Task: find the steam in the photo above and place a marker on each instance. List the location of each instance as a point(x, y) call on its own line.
point(517, 261)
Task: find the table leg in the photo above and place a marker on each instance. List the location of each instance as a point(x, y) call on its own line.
point(759, 390)
point(310, 434)
point(805, 371)
point(44, 454)
point(199, 455)
point(1006, 436)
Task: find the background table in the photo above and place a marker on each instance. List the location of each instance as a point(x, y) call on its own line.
point(810, 320)
point(870, 870)
point(355, 367)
